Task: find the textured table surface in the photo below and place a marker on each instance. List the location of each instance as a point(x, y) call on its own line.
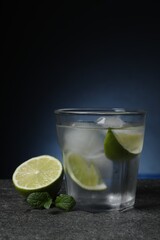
point(19, 221)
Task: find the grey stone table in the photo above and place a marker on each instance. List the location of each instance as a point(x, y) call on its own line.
point(19, 221)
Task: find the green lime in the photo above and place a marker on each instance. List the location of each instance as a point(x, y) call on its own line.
point(42, 173)
point(85, 174)
point(123, 145)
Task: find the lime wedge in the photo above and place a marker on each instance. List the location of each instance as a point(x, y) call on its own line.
point(85, 174)
point(42, 173)
point(123, 145)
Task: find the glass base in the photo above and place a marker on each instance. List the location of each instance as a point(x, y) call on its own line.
point(105, 206)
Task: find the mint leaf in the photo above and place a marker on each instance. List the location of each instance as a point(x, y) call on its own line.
point(65, 202)
point(48, 204)
point(40, 200)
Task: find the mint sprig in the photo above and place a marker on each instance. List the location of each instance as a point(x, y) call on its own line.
point(44, 200)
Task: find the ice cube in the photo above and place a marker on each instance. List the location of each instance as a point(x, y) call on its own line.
point(110, 121)
point(83, 139)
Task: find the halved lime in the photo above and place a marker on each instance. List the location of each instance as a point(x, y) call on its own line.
point(123, 144)
point(41, 173)
point(85, 174)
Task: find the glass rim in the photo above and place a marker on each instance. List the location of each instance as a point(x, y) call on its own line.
point(99, 111)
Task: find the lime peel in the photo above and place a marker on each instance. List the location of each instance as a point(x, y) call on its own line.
point(41, 173)
point(121, 146)
point(84, 174)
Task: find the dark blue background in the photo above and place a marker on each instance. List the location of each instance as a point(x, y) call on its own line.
point(103, 54)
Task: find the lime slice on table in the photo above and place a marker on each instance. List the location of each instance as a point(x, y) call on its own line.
point(123, 145)
point(42, 173)
point(85, 174)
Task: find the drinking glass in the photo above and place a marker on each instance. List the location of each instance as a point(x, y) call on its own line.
point(101, 150)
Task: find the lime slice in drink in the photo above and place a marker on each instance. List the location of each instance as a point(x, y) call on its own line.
point(85, 174)
point(123, 145)
point(42, 173)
